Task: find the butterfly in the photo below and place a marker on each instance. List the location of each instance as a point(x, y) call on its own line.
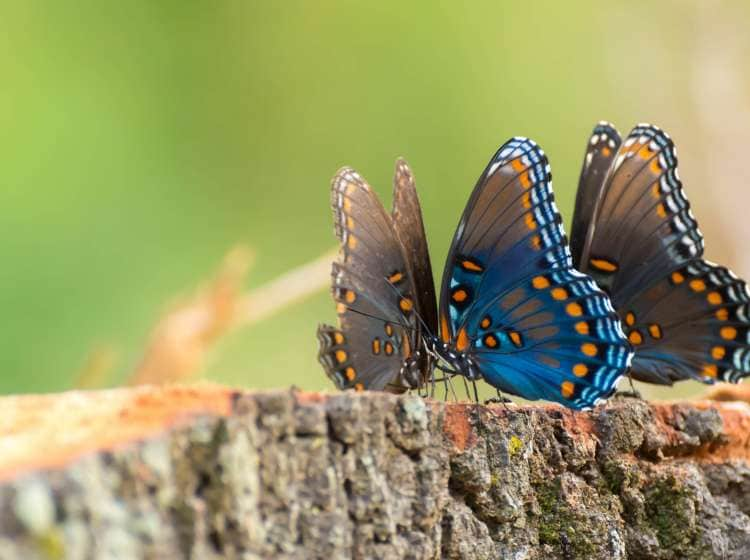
point(513, 311)
point(634, 233)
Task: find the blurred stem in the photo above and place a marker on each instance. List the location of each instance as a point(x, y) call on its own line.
point(181, 339)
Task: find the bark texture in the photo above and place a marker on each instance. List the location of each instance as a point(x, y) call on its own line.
point(209, 472)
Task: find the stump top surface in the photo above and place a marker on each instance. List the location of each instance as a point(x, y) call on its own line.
point(50, 431)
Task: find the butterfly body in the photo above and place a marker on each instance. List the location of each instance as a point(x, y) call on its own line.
point(634, 233)
point(512, 309)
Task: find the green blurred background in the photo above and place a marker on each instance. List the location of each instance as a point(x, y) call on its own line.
point(142, 140)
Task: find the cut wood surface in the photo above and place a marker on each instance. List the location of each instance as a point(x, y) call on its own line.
point(206, 471)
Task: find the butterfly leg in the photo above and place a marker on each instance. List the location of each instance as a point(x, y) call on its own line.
point(466, 387)
point(632, 394)
point(449, 383)
point(476, 392)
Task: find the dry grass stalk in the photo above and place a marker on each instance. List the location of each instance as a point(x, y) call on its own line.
point(182, 338)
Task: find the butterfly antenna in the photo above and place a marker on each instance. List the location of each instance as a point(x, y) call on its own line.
point(358, 312)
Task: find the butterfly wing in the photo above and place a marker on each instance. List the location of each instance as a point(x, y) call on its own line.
point(374, 293)
point(685, 317)
point(407, 221)
point(511, 301)
point(600, 153)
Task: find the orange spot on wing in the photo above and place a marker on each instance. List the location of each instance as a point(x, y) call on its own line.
point(580, 370)
point(588, 349)
point(515, 338)
point(722, 314)
point(677, 278)
point(644, 152)
point(655, 330)
point(661, 211)
point(728, 333)
point(350, 296)
point(697, 285)
point(574, 309)
point(540, 282)
point(530, 222)
point(656, 190)
point(630, 318)
point(376, 346)
point(536, 242)
point(462, 340)
point(471, 265)
point(486, 322)
point(406, 304)
point(517, 165)
point(359, 387)
point(490, 341)
point(459, 296)
point(718, 352)
point(714, 298)
point(526, 200)
point(582, 327)
point(559, 293)
point(525, 181)
point(388, 348)
point(340, 356)
point(567, 389)
point(603, 264)
point(350, 374)
point(338, 338)
point(396, 277)
point(655, 166)
point(710, 370)
point(606, 151)
point(635, 338)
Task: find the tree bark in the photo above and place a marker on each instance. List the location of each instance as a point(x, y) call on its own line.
point(209, 472)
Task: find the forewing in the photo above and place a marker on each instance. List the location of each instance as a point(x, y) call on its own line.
point(643, 226)
point(509, 231)
point(600, 153)
point(407, 220)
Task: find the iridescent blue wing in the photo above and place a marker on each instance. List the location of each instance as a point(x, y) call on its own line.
point(686, 318)
point(512, 302)
point(374, 289)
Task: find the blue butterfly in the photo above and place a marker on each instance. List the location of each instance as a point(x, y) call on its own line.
point(634, 233)
point(513, 310)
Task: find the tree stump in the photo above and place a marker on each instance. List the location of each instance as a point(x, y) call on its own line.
point(211, 472)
